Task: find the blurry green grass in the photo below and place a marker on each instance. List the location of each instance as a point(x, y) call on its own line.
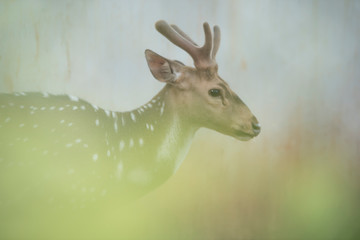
point(237, 190)
point(228, 189)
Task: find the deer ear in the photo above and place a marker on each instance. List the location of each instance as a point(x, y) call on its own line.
point(160, 67)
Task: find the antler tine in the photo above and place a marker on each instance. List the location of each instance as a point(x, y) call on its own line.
point(201, 55)
point(216, 41)
point(206, 49)
point(184, 35)
point(176, 38)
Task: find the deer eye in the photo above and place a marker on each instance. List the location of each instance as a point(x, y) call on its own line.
point(215, 92)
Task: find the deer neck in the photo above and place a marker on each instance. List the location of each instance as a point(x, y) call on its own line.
point(160, 133)
point(177, 134)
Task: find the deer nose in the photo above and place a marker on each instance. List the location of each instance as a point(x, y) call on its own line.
point(256, 128)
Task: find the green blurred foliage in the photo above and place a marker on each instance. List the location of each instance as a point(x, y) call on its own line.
point(233, 190)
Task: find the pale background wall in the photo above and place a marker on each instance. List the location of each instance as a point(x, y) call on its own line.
point(277, 55)
point(278, 52)
point(295, 63)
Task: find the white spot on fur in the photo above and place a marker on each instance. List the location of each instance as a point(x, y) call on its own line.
point(131, 143)
point(119, 170)
point(61, 108)
point(85, 145)
point(97, 122)
point(45, 94)
point(42, 108)
point(68, 145)
point(151, 127)
point(95, 157)
point(121, 145)
point(108, 153)
point(73, 98)
point(62, 121)
point(122, 120)
point(22, 106)
point(7, 119)
point(52, 107)
point(74, 108)
point(95, 107)
point(133, 116)
point(83, 107)
point(162, 109)
point(35, 126)
point(78, 140)
point(116, 127)
point(21, 125)
point(107, 112)
point(141, 142)
point(70, 124)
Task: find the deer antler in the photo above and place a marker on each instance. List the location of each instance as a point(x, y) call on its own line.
point(204, 57)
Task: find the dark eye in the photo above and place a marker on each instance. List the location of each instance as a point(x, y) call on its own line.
point(215, 92)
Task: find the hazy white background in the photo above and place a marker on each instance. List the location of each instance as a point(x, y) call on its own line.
point(295, 63)
point(279, 56)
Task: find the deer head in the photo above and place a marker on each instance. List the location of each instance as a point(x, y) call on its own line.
point(200, 93)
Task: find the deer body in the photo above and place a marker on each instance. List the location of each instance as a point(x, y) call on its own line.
point(136, 150)
point(69, 151)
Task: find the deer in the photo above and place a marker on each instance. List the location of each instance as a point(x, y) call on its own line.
point(60, 149)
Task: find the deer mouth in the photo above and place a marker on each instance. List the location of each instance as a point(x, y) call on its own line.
point(243, 136)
